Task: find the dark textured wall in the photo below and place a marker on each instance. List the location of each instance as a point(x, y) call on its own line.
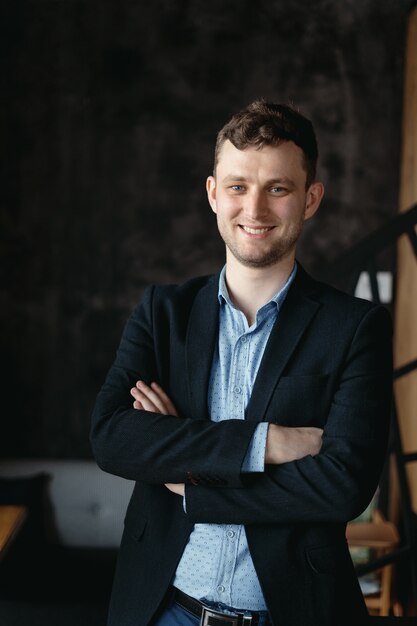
point(109, 112)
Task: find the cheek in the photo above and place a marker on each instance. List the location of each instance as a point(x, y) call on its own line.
point(292, 212)
point(227, 208)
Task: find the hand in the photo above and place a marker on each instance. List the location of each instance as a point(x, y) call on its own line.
point(285, 444)
point(152, 398)
point(178, 488)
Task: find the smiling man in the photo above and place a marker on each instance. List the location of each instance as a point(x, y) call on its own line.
point(263, 192)
point(251, 408)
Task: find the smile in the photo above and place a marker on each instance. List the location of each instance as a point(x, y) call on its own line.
point(256, 231)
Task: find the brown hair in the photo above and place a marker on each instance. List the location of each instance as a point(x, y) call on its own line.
point(264, 123)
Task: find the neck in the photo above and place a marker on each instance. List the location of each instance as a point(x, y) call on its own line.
point(250, 288)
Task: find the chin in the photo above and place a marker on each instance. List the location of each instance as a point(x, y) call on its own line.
point(265, 261)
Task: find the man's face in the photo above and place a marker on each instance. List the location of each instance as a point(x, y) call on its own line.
point(261, 201)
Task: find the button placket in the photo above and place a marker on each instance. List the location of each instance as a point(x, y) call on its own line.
point(239, 360)
point(227, 565)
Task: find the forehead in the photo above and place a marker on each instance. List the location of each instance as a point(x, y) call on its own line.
point(284, 159)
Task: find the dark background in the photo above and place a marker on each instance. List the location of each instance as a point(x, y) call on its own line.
point(109, 112)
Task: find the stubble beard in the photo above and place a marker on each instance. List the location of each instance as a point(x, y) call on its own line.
point(282, 248)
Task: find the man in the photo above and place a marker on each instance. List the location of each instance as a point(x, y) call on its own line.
point(261, 402)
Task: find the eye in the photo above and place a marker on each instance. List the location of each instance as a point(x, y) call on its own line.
point(237, 188)
point(278, 190)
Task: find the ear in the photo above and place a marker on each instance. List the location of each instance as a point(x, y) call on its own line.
point(314, 196)
point(211, 192)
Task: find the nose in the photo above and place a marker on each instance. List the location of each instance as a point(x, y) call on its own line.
point(255, 205)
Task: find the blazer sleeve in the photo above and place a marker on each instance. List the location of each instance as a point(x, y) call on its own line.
point(155, 448)
point(337, 484)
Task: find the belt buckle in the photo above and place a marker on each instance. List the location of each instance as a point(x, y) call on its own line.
point(222, 617)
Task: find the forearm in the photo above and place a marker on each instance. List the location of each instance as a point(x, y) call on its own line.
point(334, 486)
point(155, 448)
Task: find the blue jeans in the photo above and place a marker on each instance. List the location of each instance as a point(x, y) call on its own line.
point(175, 615)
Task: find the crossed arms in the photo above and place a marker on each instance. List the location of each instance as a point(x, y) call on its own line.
point(331, 482)
point(283, 444)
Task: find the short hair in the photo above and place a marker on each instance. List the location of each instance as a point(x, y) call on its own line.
point(264, 123)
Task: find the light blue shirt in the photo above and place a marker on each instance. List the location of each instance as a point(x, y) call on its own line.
point(216, 564)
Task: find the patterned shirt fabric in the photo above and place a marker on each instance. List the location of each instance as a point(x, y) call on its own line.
point(216, 564)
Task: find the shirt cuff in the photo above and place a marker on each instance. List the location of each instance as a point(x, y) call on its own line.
point(254, 460)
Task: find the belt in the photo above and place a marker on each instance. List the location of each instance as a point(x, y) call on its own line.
point(211, 617)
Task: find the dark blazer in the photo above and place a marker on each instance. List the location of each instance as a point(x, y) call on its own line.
point(328, 363)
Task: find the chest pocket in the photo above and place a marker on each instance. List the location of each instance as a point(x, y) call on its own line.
point(300, 401)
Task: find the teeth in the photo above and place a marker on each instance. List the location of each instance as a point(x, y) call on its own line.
point(255, 231)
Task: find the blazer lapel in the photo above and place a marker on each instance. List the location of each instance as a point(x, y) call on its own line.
point(296, 314)
point(201, 339)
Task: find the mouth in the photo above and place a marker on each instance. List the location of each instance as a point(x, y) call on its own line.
point(256, 231)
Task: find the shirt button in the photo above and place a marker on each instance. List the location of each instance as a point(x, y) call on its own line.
point(237, 389)
point(230, 534)
point(221, 589)
point(243, 340)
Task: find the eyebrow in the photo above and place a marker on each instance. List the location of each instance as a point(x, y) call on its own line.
point(240, 179)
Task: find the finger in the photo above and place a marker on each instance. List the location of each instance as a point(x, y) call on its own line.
point(165, 398)
point(152, 396)
point(142, 401)
point(136, 394)
point(147, 404)
point(158, 396)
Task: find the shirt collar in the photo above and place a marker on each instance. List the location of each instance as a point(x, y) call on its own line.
point(278, 298)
